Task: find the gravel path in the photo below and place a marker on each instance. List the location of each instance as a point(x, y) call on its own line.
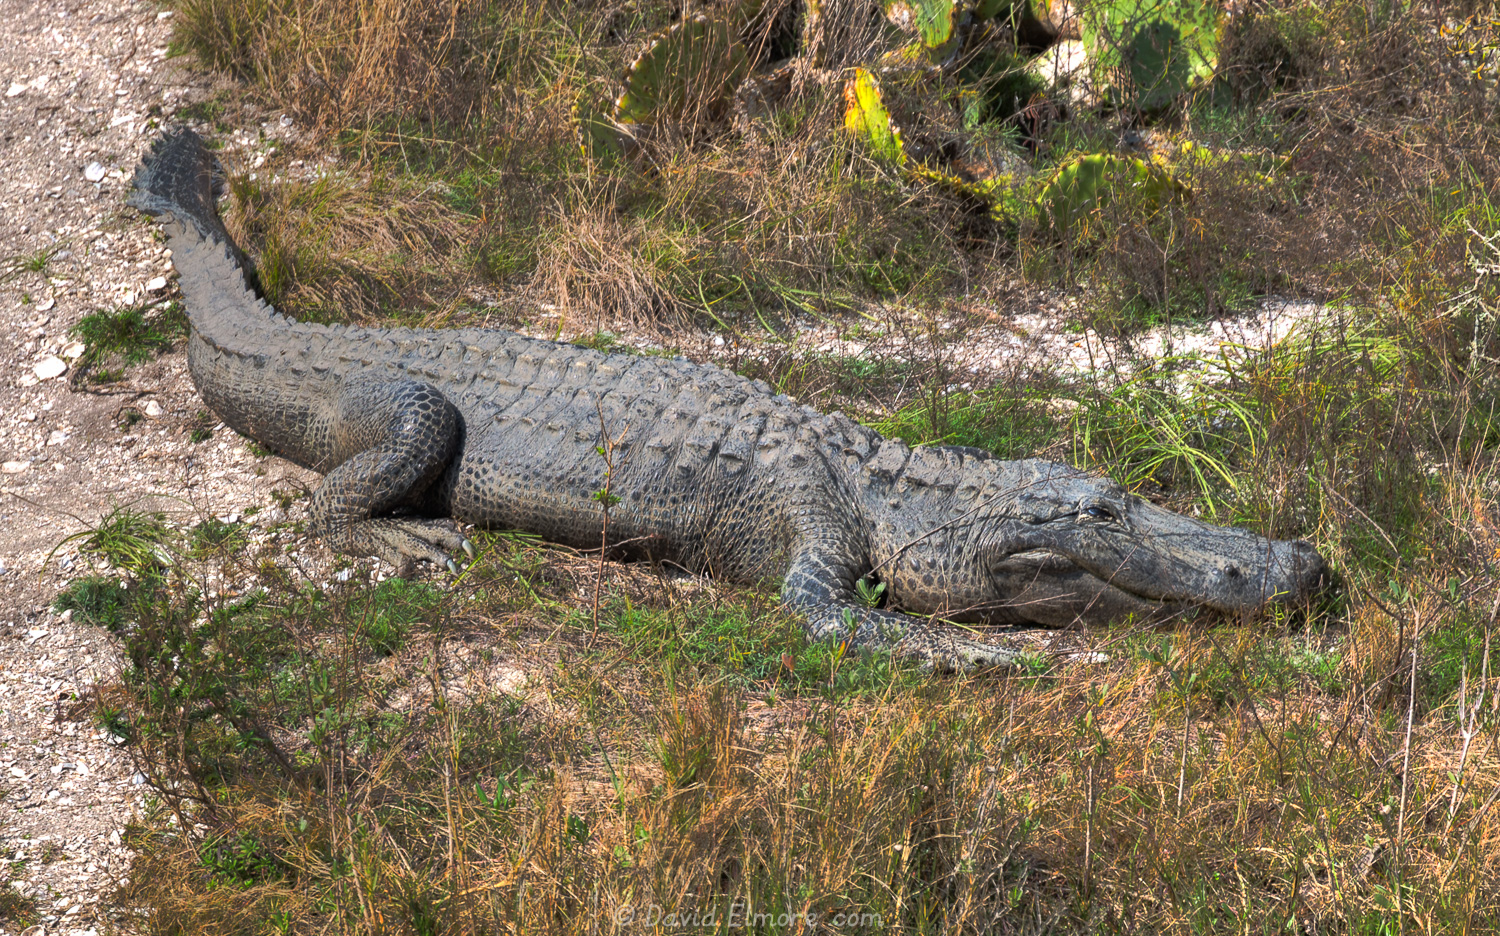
point(81, 86)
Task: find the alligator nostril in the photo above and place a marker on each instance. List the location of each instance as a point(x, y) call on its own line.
point(1232, 571)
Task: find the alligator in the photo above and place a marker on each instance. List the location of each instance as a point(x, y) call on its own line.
point(419, 430)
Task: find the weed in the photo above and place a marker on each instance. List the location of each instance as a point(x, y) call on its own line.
point(16, 908)
point(126, 336)
point(1170, 428)
point(1009, 424)
point(211, 111)
point(137, 543)
point(99, 601)
point(395, 605)
point(340, 248)
point(216, 536)
point(238, 860)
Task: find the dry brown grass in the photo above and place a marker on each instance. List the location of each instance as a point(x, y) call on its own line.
point(345, 247)
point(338, 65)
point(1162, 793)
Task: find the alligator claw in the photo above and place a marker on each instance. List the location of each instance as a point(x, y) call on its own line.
point(469, 549)
point(453, 567)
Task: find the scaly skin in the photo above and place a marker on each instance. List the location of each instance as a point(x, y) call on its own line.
point(414, 429)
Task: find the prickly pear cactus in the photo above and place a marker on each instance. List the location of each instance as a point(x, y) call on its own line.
point(995, 9)
point(866, 116)
point(1090, 181)
point(868, 119)
point(602, 140)
point(937, 24)
point(1147, 53)
point(689, 72)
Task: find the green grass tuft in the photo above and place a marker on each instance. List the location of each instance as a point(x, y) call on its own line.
point(126, 336)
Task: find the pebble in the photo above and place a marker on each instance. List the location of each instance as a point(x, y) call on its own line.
point(94, 172)
point(46, 304)
point(50, 367)
point(14, 467)
point(154, 409)
point(73, 350)
point(156, 284)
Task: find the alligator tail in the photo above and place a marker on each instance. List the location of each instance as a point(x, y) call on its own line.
point(181, 178)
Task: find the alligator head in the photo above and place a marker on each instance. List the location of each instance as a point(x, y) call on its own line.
point(1049, 544)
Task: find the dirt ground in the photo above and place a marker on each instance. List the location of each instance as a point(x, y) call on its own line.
point(81, 84)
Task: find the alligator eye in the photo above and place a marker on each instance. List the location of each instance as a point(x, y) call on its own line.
point(1098, 513)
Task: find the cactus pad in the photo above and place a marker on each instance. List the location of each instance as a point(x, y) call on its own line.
point(866, 116)
point(1148, 52)
point(937, 23)
point(602, 140)
point(688, 73)
point(1090, 181)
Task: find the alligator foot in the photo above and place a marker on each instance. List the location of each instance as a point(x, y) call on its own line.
point(947, 652)
point(406, 541)
point(935, 646)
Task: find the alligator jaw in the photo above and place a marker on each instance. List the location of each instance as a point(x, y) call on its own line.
point(1047, 587)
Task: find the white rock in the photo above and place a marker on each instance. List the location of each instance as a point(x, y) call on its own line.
point(156, 283)
point(50, 367)
point(73, 350)
point(153, 409)
point(14, 467)
point(46, 304)
point(58, 437)
point(15, 88)
point(94, 172)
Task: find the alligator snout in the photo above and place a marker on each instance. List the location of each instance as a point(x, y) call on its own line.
point(1295, 571)
point(1309, 570)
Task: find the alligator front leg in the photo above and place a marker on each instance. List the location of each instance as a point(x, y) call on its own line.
point(823, 588)
point(392, 440)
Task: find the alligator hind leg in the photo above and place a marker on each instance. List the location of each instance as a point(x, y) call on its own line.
point(392, 440)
